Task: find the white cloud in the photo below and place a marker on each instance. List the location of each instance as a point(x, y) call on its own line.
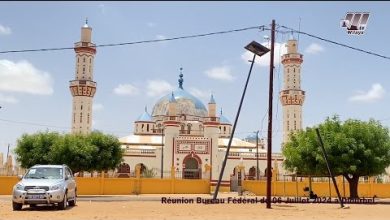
point(4, 30)
point(314, 48)
point(126, 90)
point(151, 24)
point(97, 107)
point(8, 99)
point(158, 87)
point(220, 73)
point(24, 77)
point(376, 93)
point(203, 94)
point(280, 49)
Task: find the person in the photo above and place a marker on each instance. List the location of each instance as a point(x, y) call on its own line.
point(312, 195)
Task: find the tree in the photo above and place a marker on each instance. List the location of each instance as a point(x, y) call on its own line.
point(92, 152)
point(355, 148)
point(33, 148)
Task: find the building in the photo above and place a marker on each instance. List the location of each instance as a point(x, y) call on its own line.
point(292, 97)
point(184, 136)
point(83, 88)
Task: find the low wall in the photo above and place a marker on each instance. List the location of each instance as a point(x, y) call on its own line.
point(127, 186)
point(124, 186)
point(322, 189)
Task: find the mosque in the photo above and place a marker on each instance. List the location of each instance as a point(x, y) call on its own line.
point(181, 135)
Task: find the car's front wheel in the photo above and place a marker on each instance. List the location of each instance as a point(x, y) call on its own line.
point(16, 206)
point(62, 205)
point(73, 202)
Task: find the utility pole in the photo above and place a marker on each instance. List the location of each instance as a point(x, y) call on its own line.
point(257, 156)
point(7, 151)
point(162, 152)
point(270, 97)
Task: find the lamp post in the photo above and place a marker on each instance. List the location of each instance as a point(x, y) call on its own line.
point(257, 156)
point(162, 152)
point(270, 97)
point(259, 50)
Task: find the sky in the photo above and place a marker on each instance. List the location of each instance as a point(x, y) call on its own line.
point(34, 86)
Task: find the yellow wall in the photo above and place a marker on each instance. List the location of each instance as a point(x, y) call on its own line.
point(322, 189)
point(127, 186)
point(7, 183)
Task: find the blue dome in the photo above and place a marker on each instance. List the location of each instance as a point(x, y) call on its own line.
point(186, 104)
point(223, 120)
point(145, 116)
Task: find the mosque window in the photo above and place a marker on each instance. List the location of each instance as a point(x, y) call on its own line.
point(81, 117)
point(288, 70)
point(84, 60)
point(295, 115)
point(294, 70)
point(295, 125)
point(78, 59)
point(74, 117)
point(224, 129)
point(88, 119)
point(90, 60)
point(189, 129)
point(288, 125)
point(147, 127)
point(81, 107)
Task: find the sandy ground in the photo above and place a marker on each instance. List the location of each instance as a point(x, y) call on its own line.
point(152, 209)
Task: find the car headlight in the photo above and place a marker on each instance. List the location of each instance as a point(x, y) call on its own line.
point(55, 187)
point(19, 187)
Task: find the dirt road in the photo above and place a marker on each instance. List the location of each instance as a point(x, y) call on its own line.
point(156, 210)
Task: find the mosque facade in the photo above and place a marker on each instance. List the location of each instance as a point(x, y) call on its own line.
point(183, 136)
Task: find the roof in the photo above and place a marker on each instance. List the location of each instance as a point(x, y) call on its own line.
point(141, 139)
point(145, 116)
point(186, 104)
point(236, 142)
point(223, 119)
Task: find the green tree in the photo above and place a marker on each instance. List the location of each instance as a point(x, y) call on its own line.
point(107, 153)
point(355, 148)
point(33, 148)
point(92, 152)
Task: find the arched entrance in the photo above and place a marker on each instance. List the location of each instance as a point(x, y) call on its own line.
point(123, 170)
point(192, 168)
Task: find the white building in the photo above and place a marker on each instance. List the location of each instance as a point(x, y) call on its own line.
point(182, 134)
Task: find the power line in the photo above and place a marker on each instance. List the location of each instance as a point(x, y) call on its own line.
point(334, 42)
point(139, 42)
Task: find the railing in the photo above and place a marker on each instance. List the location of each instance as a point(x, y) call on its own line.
point(140, 151)
point(253, 155)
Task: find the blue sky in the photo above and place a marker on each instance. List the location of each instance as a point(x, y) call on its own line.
point(34, 86)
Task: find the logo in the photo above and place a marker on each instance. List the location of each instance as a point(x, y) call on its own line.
point(355, 22)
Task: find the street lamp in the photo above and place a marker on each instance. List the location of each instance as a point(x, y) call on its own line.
point(259, 50)
point(162, 152)
point(257, 156)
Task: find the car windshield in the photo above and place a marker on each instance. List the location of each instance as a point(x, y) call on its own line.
point(44, 173)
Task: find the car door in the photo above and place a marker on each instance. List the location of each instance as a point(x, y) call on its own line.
point(71, 184)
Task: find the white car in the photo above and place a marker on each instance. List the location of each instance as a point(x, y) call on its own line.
point(45, 184)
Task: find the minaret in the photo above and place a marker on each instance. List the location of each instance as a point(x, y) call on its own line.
point(292, 97)
point(83, 88)
point(212, 107)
